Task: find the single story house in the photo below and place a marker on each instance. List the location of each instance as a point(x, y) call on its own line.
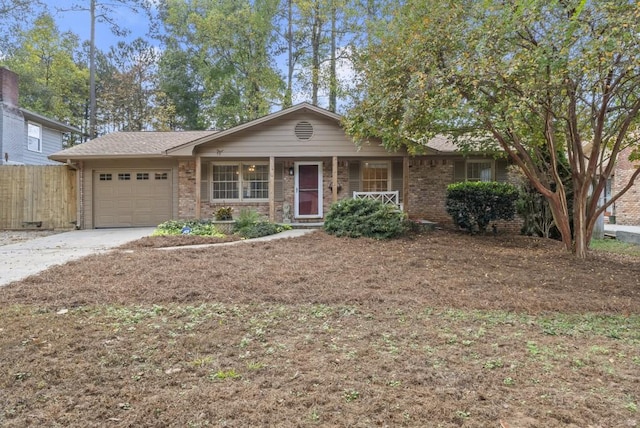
point(290, 166)
point(26, 138)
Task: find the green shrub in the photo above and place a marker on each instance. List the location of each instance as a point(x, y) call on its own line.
point(261, 228)
point(180, 227)
point(364, 217)
point(473, 205)
point(246, 218)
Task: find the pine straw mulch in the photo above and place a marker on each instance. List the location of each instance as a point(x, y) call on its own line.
point(177, 241)
point(443, 329)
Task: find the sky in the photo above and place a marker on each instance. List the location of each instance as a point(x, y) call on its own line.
point(79, 22)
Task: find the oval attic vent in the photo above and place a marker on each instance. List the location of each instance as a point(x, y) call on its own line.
point(304, 130)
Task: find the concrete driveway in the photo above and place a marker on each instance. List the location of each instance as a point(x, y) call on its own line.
point(17, 261)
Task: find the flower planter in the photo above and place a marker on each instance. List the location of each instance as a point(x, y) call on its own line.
point(224, 226)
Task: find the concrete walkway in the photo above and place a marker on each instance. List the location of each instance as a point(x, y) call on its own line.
point(18, 261)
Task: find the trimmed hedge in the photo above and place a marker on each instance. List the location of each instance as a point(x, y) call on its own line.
point(356, 218)
point(473, 205)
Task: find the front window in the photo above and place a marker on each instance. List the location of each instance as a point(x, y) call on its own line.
point(34, 137)
point(241, 182)
point(479, 171)
point(375, 177)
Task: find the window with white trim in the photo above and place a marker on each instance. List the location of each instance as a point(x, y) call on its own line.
point(375, 176)
point(241, 181)
point(34, 137)
point(479, 170)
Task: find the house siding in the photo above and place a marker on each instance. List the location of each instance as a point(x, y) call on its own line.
point(277, 138)
point(12, 134)
point(51, 143)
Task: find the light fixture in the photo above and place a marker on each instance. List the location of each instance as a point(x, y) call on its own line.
point(291, 170)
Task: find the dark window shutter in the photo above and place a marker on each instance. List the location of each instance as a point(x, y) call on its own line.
point(459, 173)
point(278, 182)
point(501, 170)
point(354, 177)
point(396, 177)
point(204, 182)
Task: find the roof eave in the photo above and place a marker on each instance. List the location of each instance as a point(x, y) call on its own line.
point(49, 123)
point(65, 157)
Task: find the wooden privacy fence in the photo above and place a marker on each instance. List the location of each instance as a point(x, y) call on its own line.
point(37, 196)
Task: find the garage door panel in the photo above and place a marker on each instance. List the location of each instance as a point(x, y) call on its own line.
point(142, 200)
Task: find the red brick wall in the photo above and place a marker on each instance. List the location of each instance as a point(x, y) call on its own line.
point(627, 208)
point(8, 87)
point(186, 189)
point(428, 180)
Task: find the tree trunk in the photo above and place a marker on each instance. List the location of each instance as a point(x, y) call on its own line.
point(579, 226)
point(288, 98)
point(316, 35)
point(558, 210)
point(333, 80)
point(92, 73)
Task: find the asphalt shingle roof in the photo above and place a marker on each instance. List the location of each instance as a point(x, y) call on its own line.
point(132, 144)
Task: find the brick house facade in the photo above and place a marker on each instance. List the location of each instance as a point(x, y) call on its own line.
point(289, 166)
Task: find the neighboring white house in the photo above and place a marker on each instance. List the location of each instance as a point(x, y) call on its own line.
point(26, 138)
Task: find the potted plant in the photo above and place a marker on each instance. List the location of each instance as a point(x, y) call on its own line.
point(223, 220)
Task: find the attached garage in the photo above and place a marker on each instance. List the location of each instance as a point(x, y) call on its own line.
point(131, 197)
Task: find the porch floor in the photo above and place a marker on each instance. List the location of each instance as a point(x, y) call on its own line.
point(294, 225)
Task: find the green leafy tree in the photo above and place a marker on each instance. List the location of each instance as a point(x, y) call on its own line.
point(181, 90)
point(531, 76)
point(229, 43)
point(51, 81)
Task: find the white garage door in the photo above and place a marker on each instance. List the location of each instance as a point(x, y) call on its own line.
point(128, 198)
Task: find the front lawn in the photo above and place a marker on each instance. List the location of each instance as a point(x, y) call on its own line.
point(440, 330)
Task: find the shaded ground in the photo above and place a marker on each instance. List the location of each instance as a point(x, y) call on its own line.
point(441, 330)
point(14, 236)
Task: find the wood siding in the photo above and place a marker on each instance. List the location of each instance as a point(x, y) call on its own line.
point(32, 195)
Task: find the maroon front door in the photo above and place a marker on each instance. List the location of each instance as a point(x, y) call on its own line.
point(309, 190)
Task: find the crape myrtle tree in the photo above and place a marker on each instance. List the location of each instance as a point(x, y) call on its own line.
point(535, 77)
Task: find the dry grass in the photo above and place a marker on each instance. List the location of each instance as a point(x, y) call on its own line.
point(441, 330)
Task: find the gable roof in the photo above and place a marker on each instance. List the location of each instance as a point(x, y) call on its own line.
point(145, 144)
point(130, 144)
point(259, 121)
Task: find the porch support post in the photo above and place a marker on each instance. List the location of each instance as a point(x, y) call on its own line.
point(198, 186)
point(405, 183)
point(272, 189)
point(334, 180)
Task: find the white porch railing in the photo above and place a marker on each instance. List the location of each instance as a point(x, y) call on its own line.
point(389, 198)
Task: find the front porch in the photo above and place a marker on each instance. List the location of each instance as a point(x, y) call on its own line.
point(297, 191)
